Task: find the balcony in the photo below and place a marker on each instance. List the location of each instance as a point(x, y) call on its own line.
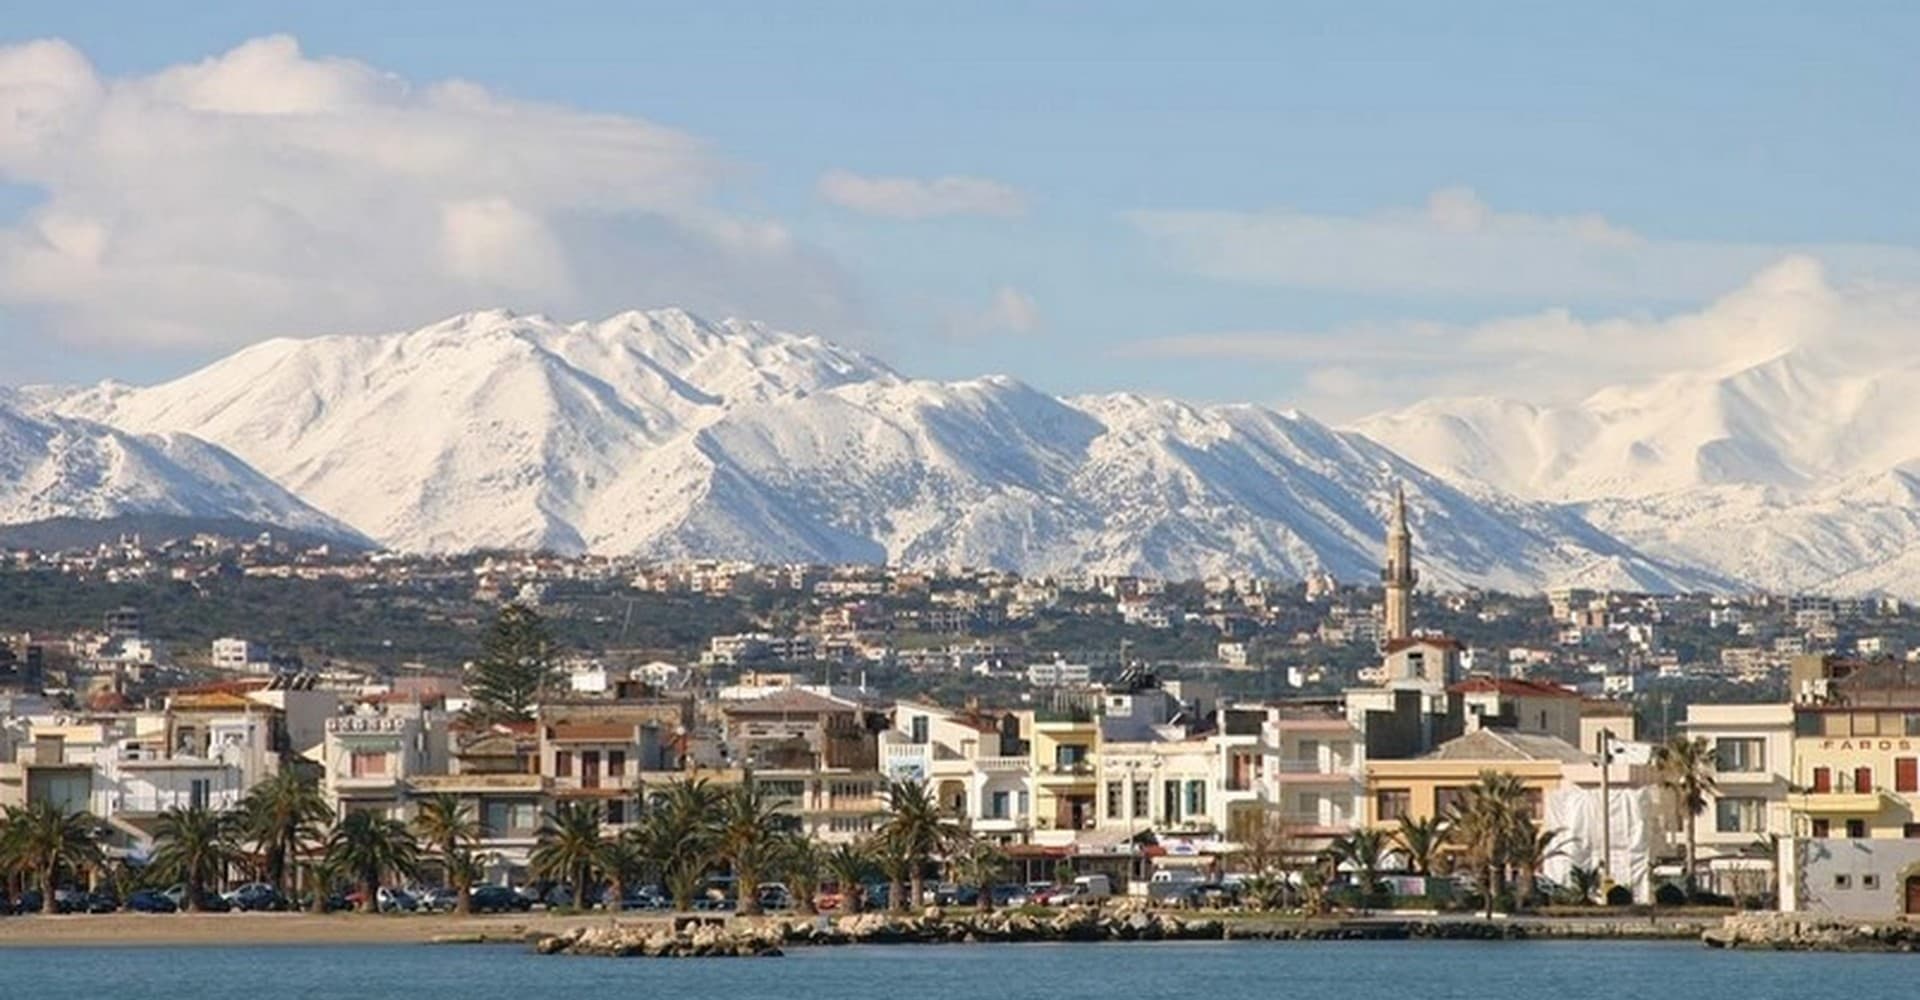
point(1002, 765)
point(1846, 803)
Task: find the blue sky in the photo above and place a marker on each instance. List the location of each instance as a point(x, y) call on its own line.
point(1284, 203)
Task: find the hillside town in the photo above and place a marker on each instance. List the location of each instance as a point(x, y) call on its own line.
point(1083, 762)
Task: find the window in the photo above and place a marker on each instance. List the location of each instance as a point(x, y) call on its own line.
point(1068, 756)
point(616, 811)
point(1822, 829)
point(919, 729)
point(1390, 804)
point(199, 793)
point(1740, 756)
point(1739, 815)
point(616, 763)
point(1856, 828)
point(1911, 831)
point(1446, 800)
point(1863, 780)
point(367, 764)
point(1114, 799)
point(1025, 806)
point(1912, 723)
point(509, 818)
point(1843, 881)
point(1822, 780)
point(563, 764)
point(1196, 798)
point(1869, 881)
point(1170, 802)
point(1906, 774)
point(997, 805)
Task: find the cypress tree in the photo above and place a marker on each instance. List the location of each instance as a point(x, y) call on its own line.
point(515, 664)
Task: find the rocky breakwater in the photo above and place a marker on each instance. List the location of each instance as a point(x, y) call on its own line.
point(659, 939)
point(1799, 932)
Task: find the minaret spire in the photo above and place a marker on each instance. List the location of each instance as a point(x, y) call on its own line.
point(1398, 576)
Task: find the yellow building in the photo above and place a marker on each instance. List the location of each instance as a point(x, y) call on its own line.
point(1428, 787)
point(1856, 749)
point(1065, 785)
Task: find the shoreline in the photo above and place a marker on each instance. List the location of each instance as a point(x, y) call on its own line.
point(521, 929)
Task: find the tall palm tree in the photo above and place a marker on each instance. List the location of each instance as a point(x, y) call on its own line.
point(194, 845)
point(368, 847)
point(447, 826)
point(748, 840)
point(680, 836)
point(1423, 841)
point(1485, 822)
point(917, 829)
point(1531, 847)
point(569, 847)
point(803, 862)
point(285, 815)
point(1685, 767)
point(849, 865)
point(895, 858)
point(978, 862)
point(623, 860)
point(322, 872)
point(1363, 851)
point(42, 839)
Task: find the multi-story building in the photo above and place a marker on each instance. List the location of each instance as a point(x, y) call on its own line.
point(1750, 801)
point(975, 763)
point(368, 760)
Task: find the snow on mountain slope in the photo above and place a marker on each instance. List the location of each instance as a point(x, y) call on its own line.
point(664, 435)
point(55, 467)
point(1791, 473)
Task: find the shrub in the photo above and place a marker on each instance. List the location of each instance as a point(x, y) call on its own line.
point(1669, 895)
point(1619, 895)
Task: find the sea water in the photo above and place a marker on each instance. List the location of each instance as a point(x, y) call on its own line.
point(1438, 970)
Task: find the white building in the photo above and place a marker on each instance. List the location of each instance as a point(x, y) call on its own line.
point(241, 656)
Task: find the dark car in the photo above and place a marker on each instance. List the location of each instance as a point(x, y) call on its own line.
point(256, 897)
point(498, 899)
point(102, 901)
point(150, 901)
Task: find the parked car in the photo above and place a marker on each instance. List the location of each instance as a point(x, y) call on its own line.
point(775, 896)
point(389, 899)
point(441, 900)
point(210, 902)
point(645, 897)
point(151, 901)
point(1034, 894)
point(498, 899)
point(255, 897)
point(102, 901)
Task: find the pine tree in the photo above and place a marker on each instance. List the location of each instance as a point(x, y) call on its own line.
point(515, 664)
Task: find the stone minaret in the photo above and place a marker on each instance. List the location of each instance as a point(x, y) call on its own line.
point(1398, 575)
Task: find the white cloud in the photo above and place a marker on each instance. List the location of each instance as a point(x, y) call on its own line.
point(1554, 356)
point(1009, 311)
point(910, 198)
point(263, 191)
point(1457, 245)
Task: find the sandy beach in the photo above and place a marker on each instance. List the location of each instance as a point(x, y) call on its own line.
point(219, 929)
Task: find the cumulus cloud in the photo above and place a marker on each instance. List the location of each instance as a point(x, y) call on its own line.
point(1555, 356)
point(265, 191)
point(913, 199)
point(1458, 245)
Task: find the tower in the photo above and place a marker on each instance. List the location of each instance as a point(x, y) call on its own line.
point(1398, 576)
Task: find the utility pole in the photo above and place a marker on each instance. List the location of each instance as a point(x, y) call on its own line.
point(1606, 812)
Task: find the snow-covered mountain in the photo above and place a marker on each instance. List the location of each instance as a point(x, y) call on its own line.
point(56, 467)
point(661, 434)
point(1800, 471)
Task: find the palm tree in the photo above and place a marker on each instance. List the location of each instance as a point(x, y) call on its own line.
point(285, 815)
point(1685, 767)
point(569, 847)
point(1423, 841)
point(194, 845)
point(849, 865)
point(680, 836)
point(978, 862)
point(322, 873)
point(1485, 821)
point(1362, 850)
point(917, 829)
point(1584, 882)
point(748, 841)
point(367, 847)
point(1530, 848)
point(894, 857)
point(623, 860)
point(41, 839)
point(802, 862)
point(447, 826)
